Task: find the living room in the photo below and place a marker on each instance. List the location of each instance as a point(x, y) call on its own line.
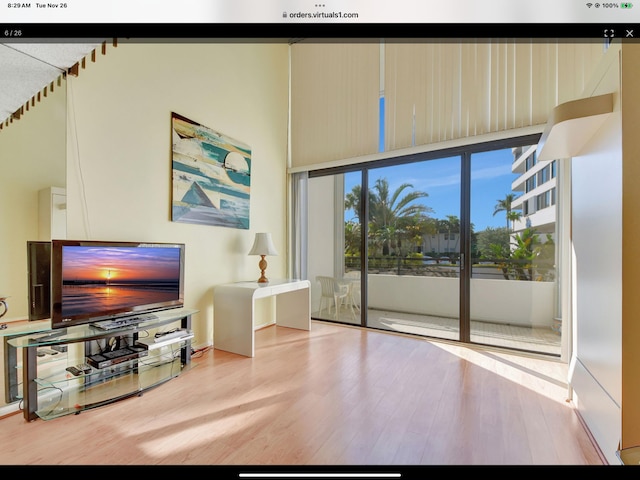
point(126, 99)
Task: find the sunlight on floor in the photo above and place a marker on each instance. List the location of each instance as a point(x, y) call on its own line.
point(546, 377)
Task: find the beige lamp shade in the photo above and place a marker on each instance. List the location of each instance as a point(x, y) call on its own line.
point(263, 246)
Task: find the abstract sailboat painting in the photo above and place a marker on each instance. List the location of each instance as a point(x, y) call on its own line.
point(211, 176)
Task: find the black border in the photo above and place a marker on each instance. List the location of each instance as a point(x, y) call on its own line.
point(315, 472)
point(286, 32)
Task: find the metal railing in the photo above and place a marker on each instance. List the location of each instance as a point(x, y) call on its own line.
point(499, 269)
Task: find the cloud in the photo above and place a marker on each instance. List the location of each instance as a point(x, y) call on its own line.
point(491, 172)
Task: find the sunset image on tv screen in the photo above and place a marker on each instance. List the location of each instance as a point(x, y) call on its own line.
point(106, 278)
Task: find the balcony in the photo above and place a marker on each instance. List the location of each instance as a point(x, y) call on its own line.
point(503, 313)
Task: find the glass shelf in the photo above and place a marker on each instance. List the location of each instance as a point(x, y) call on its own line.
point(61, 377)
point(53, 391)
point(21, 327)
point(83, 333)
point(60, 395)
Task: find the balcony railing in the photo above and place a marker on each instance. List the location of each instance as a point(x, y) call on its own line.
point(499, 269)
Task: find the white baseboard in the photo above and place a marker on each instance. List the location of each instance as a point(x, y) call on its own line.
point(599, 411)
point(9, 409)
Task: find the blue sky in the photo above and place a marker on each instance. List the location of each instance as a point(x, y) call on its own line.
point(491, 179)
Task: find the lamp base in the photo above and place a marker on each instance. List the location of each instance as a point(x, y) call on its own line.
point(263, 267)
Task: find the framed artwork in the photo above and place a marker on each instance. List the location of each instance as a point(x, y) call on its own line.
point(211, 176)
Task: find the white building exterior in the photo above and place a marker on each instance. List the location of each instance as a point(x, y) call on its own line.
point(536, 192)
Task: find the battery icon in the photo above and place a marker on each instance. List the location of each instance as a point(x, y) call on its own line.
point(626, 5)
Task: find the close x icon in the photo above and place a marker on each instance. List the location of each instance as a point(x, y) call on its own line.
point(612, 33)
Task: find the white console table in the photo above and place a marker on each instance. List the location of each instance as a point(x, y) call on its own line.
point(234, 306)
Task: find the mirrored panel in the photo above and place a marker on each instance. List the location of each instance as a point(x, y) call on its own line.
point(33, 159)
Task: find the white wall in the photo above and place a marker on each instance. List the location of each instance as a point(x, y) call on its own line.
point(597, 208)
point(527, 304)
point(119, 151)
point(321, 243)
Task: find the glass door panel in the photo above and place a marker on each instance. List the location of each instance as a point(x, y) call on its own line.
point(353, 250)
point(413, 247)
point(334, 239)
point(513, 285)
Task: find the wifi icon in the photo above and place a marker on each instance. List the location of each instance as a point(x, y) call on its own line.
point(589, 5)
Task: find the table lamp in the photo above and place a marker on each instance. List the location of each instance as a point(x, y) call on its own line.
point(263, 246)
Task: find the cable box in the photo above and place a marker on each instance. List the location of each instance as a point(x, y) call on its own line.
point(151, 343)
point(107, 359)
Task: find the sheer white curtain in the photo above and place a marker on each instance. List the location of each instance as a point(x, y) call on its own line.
point(299, 222)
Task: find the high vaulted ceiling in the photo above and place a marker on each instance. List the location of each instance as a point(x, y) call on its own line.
point(27, 68)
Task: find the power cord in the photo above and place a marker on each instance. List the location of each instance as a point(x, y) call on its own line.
point(200, 352)
point(57, 402)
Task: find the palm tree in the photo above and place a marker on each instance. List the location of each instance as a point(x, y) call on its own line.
point(352, 200)
point(416, 228)
point(453, 226)
point(390, 212)
point(504, 205)
point(522, 257)
point(513, 217)
point(352, 234)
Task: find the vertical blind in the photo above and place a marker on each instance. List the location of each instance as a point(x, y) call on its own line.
point(335, 89)
point(433, 92)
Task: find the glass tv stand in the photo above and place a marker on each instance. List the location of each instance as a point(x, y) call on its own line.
point(73, 369)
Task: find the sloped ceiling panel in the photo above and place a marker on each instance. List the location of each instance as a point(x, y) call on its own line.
point(27, 68)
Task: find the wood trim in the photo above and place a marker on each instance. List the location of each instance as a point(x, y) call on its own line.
point(74, 70)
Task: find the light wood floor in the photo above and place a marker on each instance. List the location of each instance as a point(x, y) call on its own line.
point(336, 395)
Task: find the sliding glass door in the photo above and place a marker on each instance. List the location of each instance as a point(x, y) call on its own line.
point(513, 285)
point(457, 247)
point(413, 245)
point(335, 247)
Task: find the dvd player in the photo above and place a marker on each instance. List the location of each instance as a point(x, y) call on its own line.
point(107, 359)
point(164, 339)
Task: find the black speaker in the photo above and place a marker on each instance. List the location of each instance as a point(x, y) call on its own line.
point(39, 273)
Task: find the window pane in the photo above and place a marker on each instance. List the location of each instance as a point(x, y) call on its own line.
point(513, 282)
point(414, 248)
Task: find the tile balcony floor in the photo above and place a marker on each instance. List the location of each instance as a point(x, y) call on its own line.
point(538, 340)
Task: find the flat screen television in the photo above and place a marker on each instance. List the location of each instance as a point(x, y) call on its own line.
point(101, 280)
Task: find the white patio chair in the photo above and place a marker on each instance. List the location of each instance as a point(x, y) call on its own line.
point(353, 279)
point(332, 290)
